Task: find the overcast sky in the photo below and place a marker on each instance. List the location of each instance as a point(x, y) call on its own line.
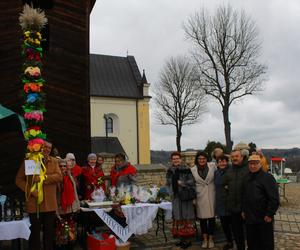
point(151, 30)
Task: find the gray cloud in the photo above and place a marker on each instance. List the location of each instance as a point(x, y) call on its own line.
point(152, 32)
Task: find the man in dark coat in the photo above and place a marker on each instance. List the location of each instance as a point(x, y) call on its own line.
point(260, 203)
point(232, 184)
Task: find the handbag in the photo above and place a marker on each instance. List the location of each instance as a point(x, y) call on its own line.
point(187, 193)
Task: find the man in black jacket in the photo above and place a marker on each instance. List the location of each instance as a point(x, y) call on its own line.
point(232, 184)
point(260, 203)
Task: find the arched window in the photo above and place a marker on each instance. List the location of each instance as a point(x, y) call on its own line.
point(109, 125)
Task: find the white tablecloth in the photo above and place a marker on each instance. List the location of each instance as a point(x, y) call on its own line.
point(140, 216)
point(15, 229)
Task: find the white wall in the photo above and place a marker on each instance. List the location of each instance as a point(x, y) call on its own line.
point(126, 125)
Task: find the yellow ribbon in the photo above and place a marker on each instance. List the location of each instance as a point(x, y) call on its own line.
point(38, 158)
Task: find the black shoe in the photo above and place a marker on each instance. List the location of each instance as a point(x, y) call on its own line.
point(178, 244)
point(185, 245)
point(228, 246)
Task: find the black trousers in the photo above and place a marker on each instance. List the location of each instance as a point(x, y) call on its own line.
point(46, 223)
point(208, 226)
point(237, 224)
point(226, 226)
point(260, 236)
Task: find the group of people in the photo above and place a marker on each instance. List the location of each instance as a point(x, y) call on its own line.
point(63, 186)
point(235, 188)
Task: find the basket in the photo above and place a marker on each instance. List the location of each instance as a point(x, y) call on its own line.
point(105, 244)
point(123, 246)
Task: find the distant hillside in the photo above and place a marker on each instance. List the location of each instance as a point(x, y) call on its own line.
point(287, 153)
point(160, 156)
point(291, 155)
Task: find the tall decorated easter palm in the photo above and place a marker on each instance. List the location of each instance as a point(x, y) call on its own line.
point(32, 21)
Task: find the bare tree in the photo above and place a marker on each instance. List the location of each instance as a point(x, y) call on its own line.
point(226, 54)
point(179, 99)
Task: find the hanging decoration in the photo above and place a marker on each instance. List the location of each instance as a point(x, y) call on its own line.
point(32, 21)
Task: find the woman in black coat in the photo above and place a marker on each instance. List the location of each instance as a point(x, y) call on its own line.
point(178, 178)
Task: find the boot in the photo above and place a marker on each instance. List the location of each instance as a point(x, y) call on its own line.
point(205, 241)
point(228, 246)
point(211, 243)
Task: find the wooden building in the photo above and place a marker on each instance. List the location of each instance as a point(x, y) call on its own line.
point(66, 69)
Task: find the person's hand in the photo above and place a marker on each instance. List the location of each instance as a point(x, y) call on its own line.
point(243, 215)
point(180, 183)
point(36, 178)
point(34, 193)
point(268, 219)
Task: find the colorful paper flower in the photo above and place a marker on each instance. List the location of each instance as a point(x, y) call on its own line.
point(34, 133)
point(34, 115)
point(31, 98)
point(33, 71)
point(32, 87)
point(27, 33)
point(34, 127)
point(32, 54)
point(35, 145)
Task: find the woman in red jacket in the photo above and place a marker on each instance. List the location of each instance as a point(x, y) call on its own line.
point(93, 176)
point(122, 173)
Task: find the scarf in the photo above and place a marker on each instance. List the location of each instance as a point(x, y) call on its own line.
point(116, 172)
point(68, 193)
point(202, 171)
point(76, 170)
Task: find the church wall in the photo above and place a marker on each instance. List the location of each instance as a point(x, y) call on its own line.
point(125, 110)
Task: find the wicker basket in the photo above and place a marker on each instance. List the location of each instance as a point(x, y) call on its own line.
point(123, 246)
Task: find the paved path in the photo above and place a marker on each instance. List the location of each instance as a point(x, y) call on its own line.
point(287, 235)
point(287, 222)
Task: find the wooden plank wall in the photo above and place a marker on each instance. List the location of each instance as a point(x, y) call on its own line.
point(67, 120)
point(67, 76)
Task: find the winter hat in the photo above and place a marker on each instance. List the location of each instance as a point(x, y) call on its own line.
point(91, 156)
point(70, 156)
point(244, 148)
point(254, 158)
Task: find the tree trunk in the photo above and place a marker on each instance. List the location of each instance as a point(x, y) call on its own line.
point(227, 128)
point(178, 139)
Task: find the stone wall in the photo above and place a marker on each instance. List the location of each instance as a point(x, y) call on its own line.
point(148, 174)
point(151, 175)
point(109, 161)
point(188, 157)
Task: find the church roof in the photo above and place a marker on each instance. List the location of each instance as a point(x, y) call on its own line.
point(110, 145)
point(115, 76)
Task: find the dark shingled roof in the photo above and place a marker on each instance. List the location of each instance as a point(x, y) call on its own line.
point(114, 76)
point(110, 145)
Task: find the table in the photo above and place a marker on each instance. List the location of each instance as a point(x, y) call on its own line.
point(140, 216)
point(15, 230)
point(11, 230)
point(281, 184)
point(164, 212)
